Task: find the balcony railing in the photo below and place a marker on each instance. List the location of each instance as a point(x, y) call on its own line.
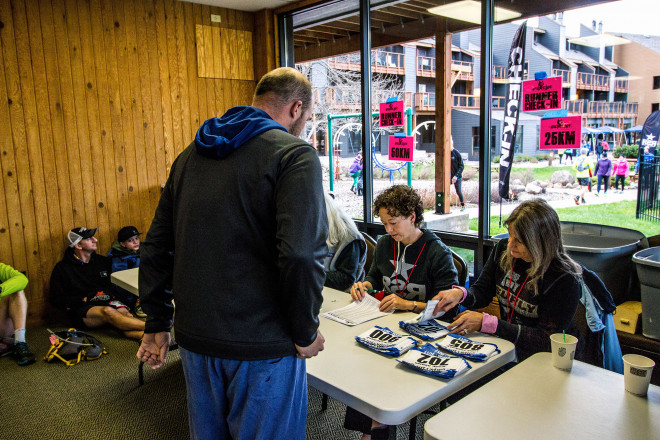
point(565, 75)
point(465, 69)
point(499, 73)
point(426, 66)
point(621, 85)
point(602, 109)
point(591, 81)
point(381, 61)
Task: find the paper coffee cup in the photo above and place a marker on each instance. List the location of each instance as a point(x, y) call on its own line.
point(563, 350)
point(637, 371)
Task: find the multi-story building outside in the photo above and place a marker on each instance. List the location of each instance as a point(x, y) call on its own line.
point(594, 86)
point(641, 57)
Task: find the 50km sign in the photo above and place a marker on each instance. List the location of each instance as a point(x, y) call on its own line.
point(561, 133)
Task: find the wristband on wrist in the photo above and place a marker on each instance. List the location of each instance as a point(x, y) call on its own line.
point(414, 306)
point(489, 323)
point(462, 289)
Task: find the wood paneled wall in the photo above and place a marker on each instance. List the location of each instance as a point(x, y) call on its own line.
point(97, 98)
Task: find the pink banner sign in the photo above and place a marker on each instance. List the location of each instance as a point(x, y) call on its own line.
point(391, 114)
point(542, 94)
point(561, 133)
point(401, 148)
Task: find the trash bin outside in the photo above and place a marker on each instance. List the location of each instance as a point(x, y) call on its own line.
point(606, 250)
point(648, 271)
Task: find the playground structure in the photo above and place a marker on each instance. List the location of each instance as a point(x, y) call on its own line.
point(333, 148)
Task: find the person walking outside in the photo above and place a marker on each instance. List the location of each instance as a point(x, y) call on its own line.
point(238, 242)
point(603, 172)
point(457, 173)
point(620, 171)
point(355, 171)
point(583, 169)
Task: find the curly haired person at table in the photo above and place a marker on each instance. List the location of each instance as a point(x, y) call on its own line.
point(410, 264)
point(534, 280)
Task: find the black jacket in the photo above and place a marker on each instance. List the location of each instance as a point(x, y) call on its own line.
point(534, 317)
point(239, 243)
point(433, 272)
point(456, 164)
point(73, 281)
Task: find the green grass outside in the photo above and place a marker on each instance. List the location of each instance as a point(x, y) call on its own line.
point(619, 214)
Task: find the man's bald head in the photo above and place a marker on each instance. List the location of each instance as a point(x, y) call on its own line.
point(280, 87)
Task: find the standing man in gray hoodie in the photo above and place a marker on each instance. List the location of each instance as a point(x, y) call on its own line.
point(238, 242)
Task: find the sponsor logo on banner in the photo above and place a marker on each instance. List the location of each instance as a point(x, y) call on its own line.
point(391, 114)
point(401, 148)
point(561, 133)
point(543, 94)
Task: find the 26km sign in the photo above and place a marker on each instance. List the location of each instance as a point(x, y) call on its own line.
point(561, 133)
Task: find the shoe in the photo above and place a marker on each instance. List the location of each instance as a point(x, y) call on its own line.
point(139, 312)
point(462, 208)
point(5, 348)
point(23, 355)
point(597, 194)
point(583, 201)
point(577, 200)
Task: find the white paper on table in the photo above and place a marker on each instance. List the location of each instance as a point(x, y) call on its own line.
point(357, 312)
point(427, 313)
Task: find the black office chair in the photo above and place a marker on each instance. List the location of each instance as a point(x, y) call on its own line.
point(371, 248)
point(461, 268)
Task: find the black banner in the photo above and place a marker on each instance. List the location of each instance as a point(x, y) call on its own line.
point(514, 74)
point(650, 133)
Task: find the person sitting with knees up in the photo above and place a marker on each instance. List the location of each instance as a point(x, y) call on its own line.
point(532, 276)
point(347, 250)
point(13, 314)
point(125, 254)
point(410, 265)
point(80, 284)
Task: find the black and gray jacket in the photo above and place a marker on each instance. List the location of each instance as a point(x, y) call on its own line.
point(238, 241)
point(433, 272)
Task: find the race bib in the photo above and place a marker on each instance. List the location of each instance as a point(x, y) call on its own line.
point(384, 340)
point(469, 349)
point(427, 330)
point(430, 360)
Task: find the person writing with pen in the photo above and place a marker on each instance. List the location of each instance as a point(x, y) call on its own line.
point(410, 266)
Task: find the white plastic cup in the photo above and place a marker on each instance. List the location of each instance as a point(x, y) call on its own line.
point(637, 371)
point(563, 350)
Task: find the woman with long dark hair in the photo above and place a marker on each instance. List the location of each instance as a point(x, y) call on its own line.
point(532, 276)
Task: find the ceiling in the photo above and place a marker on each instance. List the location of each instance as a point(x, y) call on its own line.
point(395, 22)
point(245, 5)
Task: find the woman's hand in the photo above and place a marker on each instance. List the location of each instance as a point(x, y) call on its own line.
point(394, 301)
point(358, 290)
point(466, 322)
point(447, 299)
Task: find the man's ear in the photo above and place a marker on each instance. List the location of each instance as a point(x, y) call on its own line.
point(295, 107)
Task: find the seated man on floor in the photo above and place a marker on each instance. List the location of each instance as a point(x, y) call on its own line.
point(13, 314)
point(80, 284)
point(125, 254)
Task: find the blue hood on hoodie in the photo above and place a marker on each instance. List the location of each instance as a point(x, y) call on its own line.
point(219, 137)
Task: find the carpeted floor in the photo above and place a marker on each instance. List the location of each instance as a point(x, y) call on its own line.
point(101, 399)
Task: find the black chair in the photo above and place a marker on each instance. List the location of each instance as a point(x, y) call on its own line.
point(461, 268)
point(371, 248)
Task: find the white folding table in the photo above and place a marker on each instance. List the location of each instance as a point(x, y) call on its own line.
point(378, 385)
point(126, 279)
point(535, 400)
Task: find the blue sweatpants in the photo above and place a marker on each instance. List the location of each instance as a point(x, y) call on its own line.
point(245, 400)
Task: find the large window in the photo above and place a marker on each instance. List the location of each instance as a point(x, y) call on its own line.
point(327, 40)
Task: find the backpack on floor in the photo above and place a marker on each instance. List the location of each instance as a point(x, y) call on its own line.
point(71, 346)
